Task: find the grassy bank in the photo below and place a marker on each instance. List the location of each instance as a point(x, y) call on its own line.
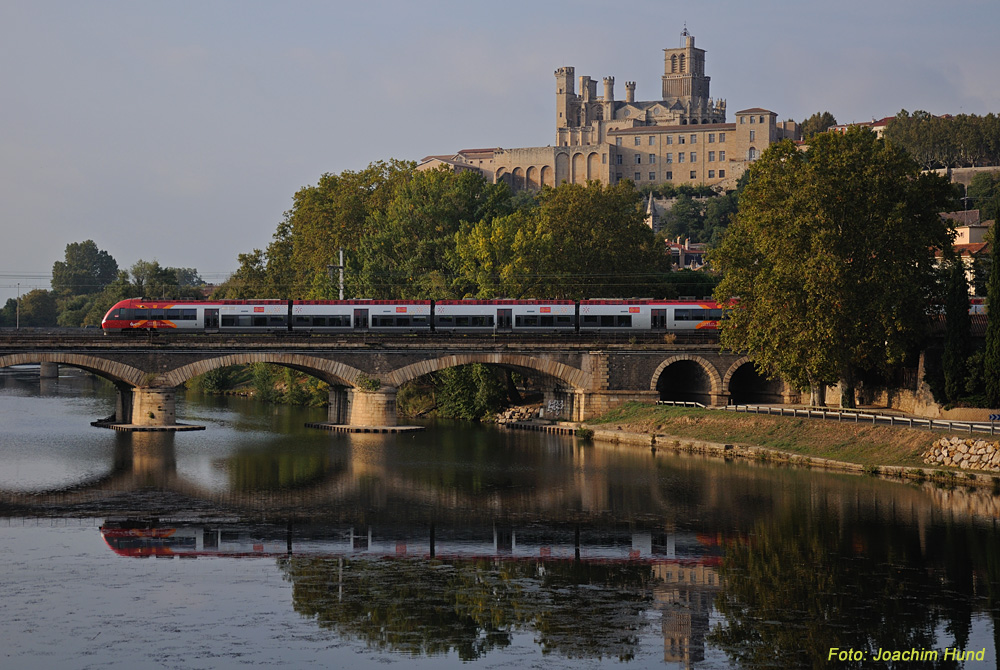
point(853, 443)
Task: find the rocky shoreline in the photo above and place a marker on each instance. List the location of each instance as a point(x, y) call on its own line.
point(967, 454)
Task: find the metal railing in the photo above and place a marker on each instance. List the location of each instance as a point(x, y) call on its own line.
point(872, 418)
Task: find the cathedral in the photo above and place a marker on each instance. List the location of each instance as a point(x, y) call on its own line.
point(682, 138)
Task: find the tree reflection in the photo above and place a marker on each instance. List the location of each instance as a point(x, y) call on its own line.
point(802, 584)
point(473, 607)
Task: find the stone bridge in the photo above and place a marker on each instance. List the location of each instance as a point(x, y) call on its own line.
point(582, 376)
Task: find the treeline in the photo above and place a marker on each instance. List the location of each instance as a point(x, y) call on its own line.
point(437, 234)
point(965, 140)
point(88, 282)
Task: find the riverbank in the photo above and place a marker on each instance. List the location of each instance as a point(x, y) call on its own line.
point(884, 450)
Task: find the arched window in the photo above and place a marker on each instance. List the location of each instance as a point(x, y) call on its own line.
point(682, 62)
point(673, 63)
point(751, 154)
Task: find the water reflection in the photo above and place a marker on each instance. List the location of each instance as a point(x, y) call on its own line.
point(470, 542)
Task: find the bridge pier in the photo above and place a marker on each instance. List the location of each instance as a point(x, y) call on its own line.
point(153, 407)
point(48, 370)
point(376, 408)
point(338, 411)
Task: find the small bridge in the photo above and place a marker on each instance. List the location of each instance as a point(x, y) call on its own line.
point(583, 376)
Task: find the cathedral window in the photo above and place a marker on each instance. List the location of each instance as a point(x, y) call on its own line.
point(680, 157)
point(638, 159)
point(711, 174)
point(618, 141)
point(694, 157)
point(722, 174)
point(711, 138)
point(652, 140)
point(694, 175)
point(753, 135)
point(652, 176)
point(762, 119)
point(722, 157)
point(673, 64)
point(753, 119)
point(618, 159)
point(711, 156)
point(638, 140)
point(669, 158)
point(722, 137)
point(604, 158)
point(670, 139)
point(683, 62)
point(680, 139)
point(668, 176)
point(638, 176)
point(652, 159)
point(694, 139)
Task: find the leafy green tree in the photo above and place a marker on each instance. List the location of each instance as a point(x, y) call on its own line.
point(830, 259)
point(502, 258)
point(958, 335)
point(991, 356)
point(984, 194)
point(38, 309)
point(8, 315)
point(469, 392)
point(85, 270)
point(819, 122)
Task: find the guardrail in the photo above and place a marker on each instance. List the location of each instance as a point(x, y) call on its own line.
point(681, 403)
point(869, 417)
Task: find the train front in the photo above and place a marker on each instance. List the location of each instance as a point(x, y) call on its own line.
point(114, 321)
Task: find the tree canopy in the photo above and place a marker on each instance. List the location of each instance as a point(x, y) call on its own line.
point(819, 122)
point(830, 260)
point(947, 141)
point(85, 270)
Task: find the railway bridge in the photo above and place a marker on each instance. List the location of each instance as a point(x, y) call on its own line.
point(582, 376)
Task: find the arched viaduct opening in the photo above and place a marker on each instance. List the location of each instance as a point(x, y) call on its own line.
point(687, 379)
point(748, 387)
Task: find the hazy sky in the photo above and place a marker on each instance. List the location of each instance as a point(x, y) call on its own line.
point(179, 131)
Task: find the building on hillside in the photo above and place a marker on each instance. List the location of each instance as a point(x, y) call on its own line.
point(970, 245)
point(474, 160)
point(681, 138)
point(877, 127)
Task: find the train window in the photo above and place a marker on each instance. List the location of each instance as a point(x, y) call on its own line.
point(548, 321)
point(445, 321)
point(682, 315)
point(189, 315)
point(715, 314)
point(419, 321)
point(319, 320)
point(624, 321)
point(461, 321)
point(564, 321)
point(228, 321)
point(341, 320)
point(172, 314)
point(607, 321)
point(589, 320)
point(260, 321)
point(303, 320)
point(277, 320)
point(529, 321)
point(484, 321)
point(244, 321)
point(156, 314)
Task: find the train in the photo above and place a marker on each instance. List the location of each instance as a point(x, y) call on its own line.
point(411, 316)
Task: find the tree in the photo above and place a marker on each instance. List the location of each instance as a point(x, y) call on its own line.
point(38, 309)
point(817, 123)
point(991, 355)
point(86, 269)
point(958, 335)
point(984, 194)
point(830, 259)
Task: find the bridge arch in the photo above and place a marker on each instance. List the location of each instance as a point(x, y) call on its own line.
point(571, 376)
point(329, 371)
point(712, 376)
point(119, 373)
point(745, 385)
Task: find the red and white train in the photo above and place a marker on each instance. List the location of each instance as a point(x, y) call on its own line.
point(410, 316)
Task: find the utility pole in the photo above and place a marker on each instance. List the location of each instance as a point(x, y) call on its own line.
point(331, 268)
point(17, 309)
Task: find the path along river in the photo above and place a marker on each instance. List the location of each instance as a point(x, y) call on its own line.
point(259, 543)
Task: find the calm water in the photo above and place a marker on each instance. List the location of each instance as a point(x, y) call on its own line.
point(260, 543)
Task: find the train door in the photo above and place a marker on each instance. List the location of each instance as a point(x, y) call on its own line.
point(211, 319)
point(361, 319)
point(658, 319)
point(504, 320)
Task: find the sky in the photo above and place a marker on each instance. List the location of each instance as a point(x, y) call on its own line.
point(179, 131)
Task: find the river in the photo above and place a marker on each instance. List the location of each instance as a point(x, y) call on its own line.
point(261, 543)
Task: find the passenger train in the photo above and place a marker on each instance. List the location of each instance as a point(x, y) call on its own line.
point(411, 316)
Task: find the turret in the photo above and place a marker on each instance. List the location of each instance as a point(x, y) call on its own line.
point(564, 97)
point(609, 89)
point(630, 91)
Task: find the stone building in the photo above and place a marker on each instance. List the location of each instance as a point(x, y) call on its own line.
point(682, 138)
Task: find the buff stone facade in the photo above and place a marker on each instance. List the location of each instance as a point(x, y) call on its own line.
point(682, 138)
